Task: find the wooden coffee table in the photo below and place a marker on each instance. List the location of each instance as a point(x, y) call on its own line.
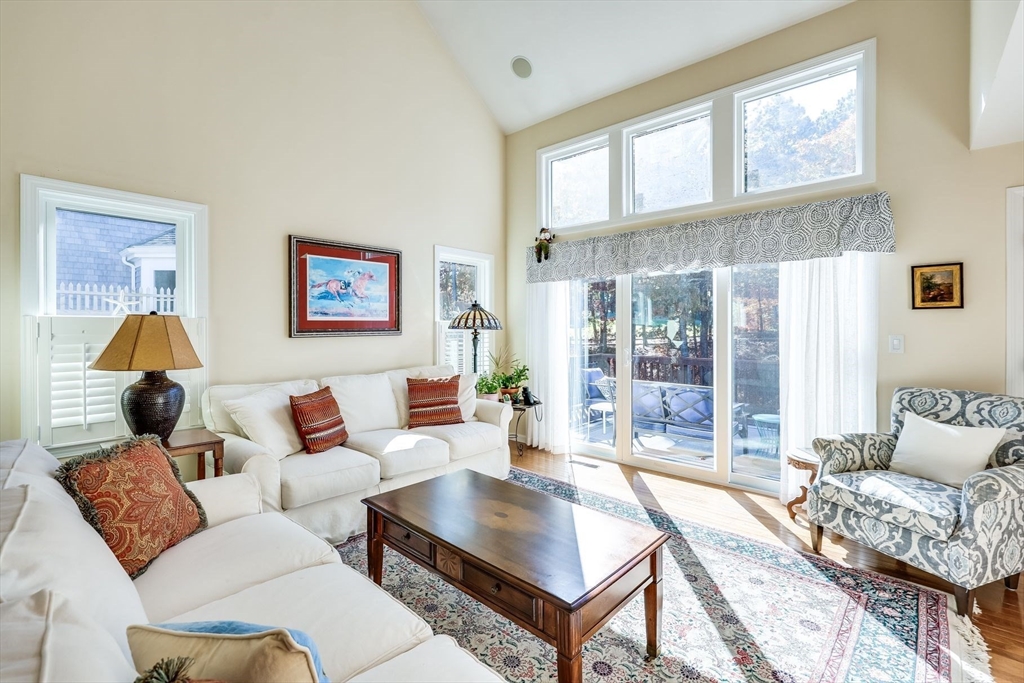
point(559, 570)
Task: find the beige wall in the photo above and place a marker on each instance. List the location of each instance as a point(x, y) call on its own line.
point(343, 120)
point(949, 203)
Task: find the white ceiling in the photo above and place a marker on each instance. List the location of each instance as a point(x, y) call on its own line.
point(583, 50)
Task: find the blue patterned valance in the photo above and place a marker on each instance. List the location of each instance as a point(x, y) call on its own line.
point(794, 233)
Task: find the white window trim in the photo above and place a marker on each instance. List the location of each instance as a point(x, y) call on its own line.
point(485, 284)
point(726, 159)
point(40, 198)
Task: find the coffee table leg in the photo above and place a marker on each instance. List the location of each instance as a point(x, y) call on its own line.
point(375, 545)
point(653, 598)
point(570, 647)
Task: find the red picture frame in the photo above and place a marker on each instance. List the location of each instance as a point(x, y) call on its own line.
point(340, 289)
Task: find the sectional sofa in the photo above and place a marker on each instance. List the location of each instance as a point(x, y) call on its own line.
point(65, 601)
point(322, 491)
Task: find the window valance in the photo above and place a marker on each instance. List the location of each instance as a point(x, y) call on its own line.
point(795, 233)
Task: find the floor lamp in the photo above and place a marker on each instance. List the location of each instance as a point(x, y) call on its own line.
point(476, 319)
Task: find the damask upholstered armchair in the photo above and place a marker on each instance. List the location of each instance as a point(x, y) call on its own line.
point(969, 536)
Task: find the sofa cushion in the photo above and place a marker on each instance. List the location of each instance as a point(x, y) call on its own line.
point(400, 451)
point(925, 507)
point(318, 420)
point(464, 440)
point(133, 495)
point(266, 418)
point(438, 660)
point(945, 453)
point(434, 401)
point(46, 544)
point(23, 462)
point(398, 385)
point(227, 559)
point(355, 623)
point(309, 477)
point(48, 639)
point(367, 402)
point(216, 416)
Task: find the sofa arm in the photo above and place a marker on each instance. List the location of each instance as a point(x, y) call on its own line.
point(992, 486)
point(494, 412)
point(853, 452)
point(228, 497)
point(242, 455)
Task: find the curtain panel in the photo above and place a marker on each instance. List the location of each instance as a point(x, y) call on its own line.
point(795, 233)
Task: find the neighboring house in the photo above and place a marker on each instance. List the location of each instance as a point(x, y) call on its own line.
point(89, 248)
point(152, 262)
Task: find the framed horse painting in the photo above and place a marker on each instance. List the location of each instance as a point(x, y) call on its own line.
point(340, 289)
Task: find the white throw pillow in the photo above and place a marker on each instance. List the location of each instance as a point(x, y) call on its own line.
point(467, 396)
point(266, 418)
point(941, 452)
point(367, 402)
point(49, 639)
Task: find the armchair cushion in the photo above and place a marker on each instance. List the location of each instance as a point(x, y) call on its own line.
point(923, 506)
point(944, 453)
point(854, 452)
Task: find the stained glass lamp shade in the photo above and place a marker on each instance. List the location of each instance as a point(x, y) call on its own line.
point(476, 319)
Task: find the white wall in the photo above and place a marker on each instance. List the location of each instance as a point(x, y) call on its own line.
point(340, 120)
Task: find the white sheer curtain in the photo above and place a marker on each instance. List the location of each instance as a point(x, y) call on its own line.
point(828, 340)
point(547, 355)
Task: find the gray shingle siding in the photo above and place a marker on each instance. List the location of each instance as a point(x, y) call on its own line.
point(89, 246)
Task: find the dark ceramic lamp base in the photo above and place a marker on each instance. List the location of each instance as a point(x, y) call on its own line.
point(153, 404)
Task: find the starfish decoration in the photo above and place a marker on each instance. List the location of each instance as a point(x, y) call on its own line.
point(120, 304)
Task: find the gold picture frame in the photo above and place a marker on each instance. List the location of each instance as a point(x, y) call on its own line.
point(940, 285)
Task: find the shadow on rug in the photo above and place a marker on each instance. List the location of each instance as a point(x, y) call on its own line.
point(735, 609)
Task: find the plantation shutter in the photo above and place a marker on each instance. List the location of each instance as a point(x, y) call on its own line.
point(455, 348)
point(76, 405)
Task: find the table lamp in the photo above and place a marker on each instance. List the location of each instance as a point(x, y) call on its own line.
point(151, 344)
point(476, 319)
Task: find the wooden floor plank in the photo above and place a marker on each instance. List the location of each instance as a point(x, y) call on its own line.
point(763, 517)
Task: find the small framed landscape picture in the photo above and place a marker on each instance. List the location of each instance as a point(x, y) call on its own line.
point(938, 286)
point(340, 289)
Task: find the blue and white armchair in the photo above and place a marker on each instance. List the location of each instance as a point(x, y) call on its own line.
point(970, 536)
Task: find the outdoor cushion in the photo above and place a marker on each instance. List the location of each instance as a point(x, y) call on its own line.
point(688, 406)
point(648, 407)
point(923, 506)
point(309, 477)
point(355, 624)
point(400, 451)
point(232, 556)
point(465, 440)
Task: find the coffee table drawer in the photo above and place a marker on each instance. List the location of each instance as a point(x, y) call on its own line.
point(519, 603)
point(408, 539)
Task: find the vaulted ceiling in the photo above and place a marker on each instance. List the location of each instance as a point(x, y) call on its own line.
point(582, 51)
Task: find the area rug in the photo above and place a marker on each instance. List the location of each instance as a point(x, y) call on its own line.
point(736, 609)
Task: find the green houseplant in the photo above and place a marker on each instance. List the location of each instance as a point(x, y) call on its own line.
point(509, 372)
point(487, 386)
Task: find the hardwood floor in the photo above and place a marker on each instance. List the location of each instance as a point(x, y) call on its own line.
point(763, 517)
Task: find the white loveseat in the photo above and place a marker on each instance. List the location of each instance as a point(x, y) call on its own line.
point(65, 602)
point(322, 491)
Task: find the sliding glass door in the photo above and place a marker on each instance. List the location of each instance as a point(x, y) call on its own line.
point(657, 383)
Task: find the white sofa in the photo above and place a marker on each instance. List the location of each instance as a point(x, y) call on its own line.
point(322, 491)
point(65, 602)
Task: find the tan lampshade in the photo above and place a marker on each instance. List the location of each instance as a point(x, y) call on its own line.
point(148, 342)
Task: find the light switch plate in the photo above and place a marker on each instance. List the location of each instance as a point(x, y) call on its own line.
point(896, 344)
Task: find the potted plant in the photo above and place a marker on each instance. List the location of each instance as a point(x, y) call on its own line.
point(487, 387)
point(509, 372)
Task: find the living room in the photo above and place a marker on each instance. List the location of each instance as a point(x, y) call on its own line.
point(543, 315)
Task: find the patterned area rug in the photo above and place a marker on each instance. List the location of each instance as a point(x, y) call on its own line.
point(735, 609)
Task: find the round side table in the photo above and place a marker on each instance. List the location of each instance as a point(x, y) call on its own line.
point(807, 460)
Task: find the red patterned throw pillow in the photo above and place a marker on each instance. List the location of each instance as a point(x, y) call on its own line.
point(134, 497)
point(434, 402)
point(318, 420)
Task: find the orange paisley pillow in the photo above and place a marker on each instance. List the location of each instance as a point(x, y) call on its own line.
point(134, 497)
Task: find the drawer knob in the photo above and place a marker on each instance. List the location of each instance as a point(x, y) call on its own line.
point(408, 535)
point(495, 589)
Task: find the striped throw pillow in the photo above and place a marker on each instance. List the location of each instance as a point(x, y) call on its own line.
point(434, 402)
point(318, 420)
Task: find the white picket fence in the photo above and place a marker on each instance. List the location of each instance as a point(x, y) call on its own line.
point(94, 299)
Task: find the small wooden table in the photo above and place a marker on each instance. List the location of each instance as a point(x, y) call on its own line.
point(559, 570)
point(199, 442)
point(807, 460)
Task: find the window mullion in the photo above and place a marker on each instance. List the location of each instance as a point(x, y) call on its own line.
point(723, 148)
point(617, 158)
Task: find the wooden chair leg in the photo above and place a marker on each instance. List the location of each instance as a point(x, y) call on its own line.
point(1012, 582)
point(816, 531)
point(964, 601)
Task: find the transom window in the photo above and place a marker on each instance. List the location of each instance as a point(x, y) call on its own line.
point(805, 128)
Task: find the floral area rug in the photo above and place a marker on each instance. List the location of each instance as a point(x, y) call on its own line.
point(735, 609)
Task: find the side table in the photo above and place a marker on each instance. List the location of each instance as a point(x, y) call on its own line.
point(521, 409)
point(198, 442)
point(807, 460)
